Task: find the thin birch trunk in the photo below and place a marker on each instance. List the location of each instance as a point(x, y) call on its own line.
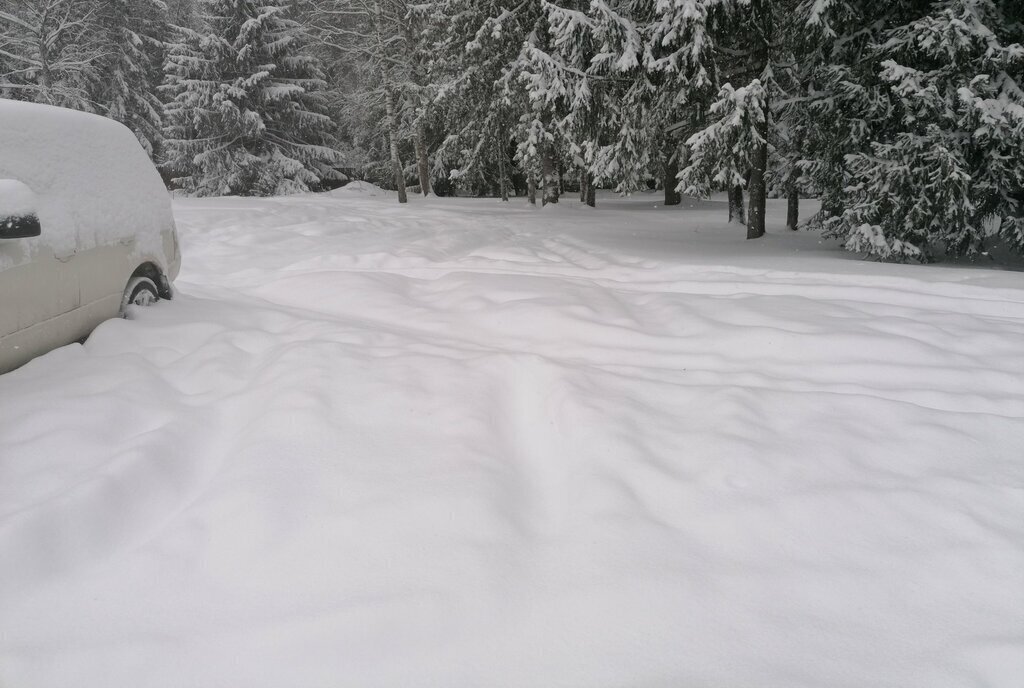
point(396, 161)
point(422, 163)
point(502, 176)
point(389, 111)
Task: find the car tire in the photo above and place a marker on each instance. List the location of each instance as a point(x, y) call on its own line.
point(141, 291)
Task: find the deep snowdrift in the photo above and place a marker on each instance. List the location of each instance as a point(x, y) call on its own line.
point(457, 443)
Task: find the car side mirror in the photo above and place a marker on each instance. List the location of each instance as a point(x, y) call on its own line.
point(19, 227)
point(18, 216)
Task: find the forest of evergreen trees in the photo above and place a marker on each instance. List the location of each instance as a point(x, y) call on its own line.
point(905, 117)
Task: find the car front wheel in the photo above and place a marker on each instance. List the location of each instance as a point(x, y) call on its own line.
point(141, 291)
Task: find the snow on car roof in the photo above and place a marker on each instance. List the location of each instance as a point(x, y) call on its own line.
point(92, 180)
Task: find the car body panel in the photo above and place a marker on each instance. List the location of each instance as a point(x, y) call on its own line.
point(98, 227)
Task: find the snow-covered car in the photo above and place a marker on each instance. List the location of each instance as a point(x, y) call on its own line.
point(86, 228)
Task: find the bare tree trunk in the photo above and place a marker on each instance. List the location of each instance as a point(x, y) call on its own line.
point(588, 192)
point(531, 188)
point(396, 161)
point(793, 208)
point(762, 14)
point(422, 163)
point(45, 79)
point(549, 176)
point(672, 196)
point(502, 176)
point(758, 188)
point(736, 205)
point(389, 113)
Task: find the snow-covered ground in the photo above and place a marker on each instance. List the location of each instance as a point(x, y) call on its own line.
point(460, 443)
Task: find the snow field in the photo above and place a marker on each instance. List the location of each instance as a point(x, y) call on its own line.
point(461, 444)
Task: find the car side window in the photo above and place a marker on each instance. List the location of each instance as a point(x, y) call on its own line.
point(19, 218)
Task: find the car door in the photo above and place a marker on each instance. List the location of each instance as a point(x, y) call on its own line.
point(39, 289)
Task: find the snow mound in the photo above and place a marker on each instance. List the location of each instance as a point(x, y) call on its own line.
point(358, 188)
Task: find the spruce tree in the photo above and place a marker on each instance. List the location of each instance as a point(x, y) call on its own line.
point(722, 153)
point(131, 67)
point(846, 101)
point(246, 117)
point(482, 99)
point(948, 176)
point(536, 77)
point(749, 43)
point(590, 72)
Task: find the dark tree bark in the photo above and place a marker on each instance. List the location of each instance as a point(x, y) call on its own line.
point(672, 196)
point(502, 177)
point(758, 188)
point(549, 176)
point(793, 209)
point(736, 213)
point(762, 18)
point(588, 193)
point(531, 188)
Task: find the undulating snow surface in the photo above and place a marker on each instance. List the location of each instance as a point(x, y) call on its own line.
point(460, 443)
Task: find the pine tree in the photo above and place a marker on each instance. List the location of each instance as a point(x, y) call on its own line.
point(245, 116)
point(846, 101)
point(948, 177)
point(537, 77)
point(183, 13)
point(481, 99)
point(722, 153)
point(590, 72)
point(131, 67)
point(749, 42)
